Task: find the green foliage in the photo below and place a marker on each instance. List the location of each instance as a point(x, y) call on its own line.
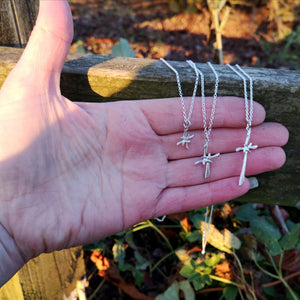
point(123, 49)
point(227, 247)
point(230, 292)
point(172, 293)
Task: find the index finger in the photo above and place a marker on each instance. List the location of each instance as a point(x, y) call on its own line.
point(165, 116)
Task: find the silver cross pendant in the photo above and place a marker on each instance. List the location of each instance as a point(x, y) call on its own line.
point(185, 139)
point(246, 149)
point(206, 160)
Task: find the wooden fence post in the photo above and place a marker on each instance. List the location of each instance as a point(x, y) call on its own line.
point(17, 18)
point(55, 275)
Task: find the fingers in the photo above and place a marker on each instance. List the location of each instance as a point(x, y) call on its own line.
point(225, 140)
point(49, 42)
point(165, 116)
point(180, 199)
point(185, 173)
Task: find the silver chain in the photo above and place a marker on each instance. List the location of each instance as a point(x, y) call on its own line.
point(186, 119)
point(205, 231)
point(248, 106)
point(249, 113)
point(207, 131)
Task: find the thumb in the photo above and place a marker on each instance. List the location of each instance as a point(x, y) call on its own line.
point(50, 40)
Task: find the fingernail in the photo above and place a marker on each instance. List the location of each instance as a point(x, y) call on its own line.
point(253, 182)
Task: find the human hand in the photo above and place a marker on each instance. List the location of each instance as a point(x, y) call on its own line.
point(72, 173)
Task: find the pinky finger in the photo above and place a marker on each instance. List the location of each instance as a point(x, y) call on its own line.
point(180, 199)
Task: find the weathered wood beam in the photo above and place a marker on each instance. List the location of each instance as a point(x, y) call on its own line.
point(96, 78)
point(17, 18)
point(56, 275)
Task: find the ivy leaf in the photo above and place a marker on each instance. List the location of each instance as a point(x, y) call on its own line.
point(187, 289)
point(214, 259)
point(274, 248)
point(172, 293)
point(264, 231)
point(246, 213)
point(230, 292)
point(139, 277)
point(141, 262)
point(123, 49)
point(197, 219)
point(118, 251)
point(200, 281)
point(187, 271)
point(194, 236)
point(289, 240)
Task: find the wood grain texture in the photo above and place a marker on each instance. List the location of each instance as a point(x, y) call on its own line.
point(96, 78)
point(49, 276)
point(17, 18)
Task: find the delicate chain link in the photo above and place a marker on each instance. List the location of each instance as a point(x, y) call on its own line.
point(207, 131)
point(187, 119)
point(248, 111)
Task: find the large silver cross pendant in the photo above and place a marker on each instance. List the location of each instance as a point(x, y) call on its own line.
point(185, 139)
point(206, 160)
point(246, 149)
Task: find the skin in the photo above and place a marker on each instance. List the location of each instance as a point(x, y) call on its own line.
point(72, 173)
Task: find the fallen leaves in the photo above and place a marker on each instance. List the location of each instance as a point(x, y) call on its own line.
point(108, 270)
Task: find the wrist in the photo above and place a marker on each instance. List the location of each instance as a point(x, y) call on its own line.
point(11, 259)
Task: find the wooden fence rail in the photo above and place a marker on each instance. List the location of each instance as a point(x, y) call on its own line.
point(97, 78)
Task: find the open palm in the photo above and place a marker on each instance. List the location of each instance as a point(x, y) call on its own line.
point(72, 173)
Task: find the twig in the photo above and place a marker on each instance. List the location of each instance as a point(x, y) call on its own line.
point(279, 281)
point(278, 218)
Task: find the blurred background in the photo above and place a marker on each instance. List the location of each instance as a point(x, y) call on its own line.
point(262, 33)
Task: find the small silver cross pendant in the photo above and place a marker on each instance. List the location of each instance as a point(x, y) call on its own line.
point(206, 160)
point(185, 139)
point(246, 149)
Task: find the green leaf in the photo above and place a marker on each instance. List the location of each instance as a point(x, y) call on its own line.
point(246, 213)
point(172, 293)
point(138, 276)
point(125, 267)
point(118, 251)
point(289, 240)
point(214, 259)
point(230, 292)
point(130, 239)
point(270, 291)
point(187, 289)
point(264, 231)
point(187, 271)
point(274, 248)
point(141, 262)
point(200, 281)
point(194, 236)
point(197, 219)
point(123, 49)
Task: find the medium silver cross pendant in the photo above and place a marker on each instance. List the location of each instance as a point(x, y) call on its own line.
point(185, 139)
point(246, 149)
point(206, 160)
